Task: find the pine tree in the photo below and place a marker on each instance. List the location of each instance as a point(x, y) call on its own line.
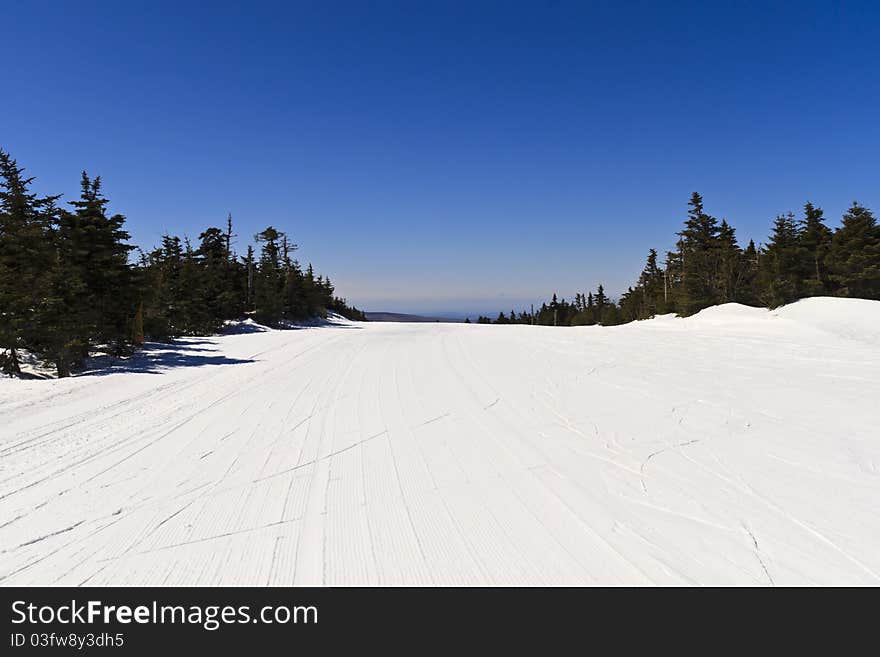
point(698, 252)
point(779, 274)
point(250, 271)
point(220, 291)
point(728, 265)
point(197, 300)
point(227, 237)
point(630, 305)
point(101, 255)
point(747, 291)
point(854, 257)
point(648, 299)
point(166, 314)
point(672, 277)
point(292, 294)
point(600, 301)
point(268, 282)
point(815, 242)
point(26, 260)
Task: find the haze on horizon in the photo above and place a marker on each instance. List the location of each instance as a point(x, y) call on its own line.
point(438, 158)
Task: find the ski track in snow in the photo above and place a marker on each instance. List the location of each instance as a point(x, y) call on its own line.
point(739, 446)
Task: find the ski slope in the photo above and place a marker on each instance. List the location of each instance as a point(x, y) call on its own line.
point(739, 446)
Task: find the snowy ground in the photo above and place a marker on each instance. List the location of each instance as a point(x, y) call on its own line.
point(739, 446)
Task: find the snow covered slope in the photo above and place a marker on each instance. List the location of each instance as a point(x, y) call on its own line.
point(739, 446)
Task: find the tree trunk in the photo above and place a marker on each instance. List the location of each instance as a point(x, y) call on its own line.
point(63, 366)
point(10, 363)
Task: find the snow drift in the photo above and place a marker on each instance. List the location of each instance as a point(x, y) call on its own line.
point(738, 446)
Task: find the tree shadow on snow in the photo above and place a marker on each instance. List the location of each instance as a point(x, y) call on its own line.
point(155, 358)
point(243, 328)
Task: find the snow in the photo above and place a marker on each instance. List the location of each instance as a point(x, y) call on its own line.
point(738, 446)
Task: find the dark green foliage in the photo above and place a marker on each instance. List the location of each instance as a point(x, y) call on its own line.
point(167, 290)
point(707, 267)
point(68, 288)
point(101, 258)
point(699, 249)
point(748, 289)
point(222, 292)
point(779, 270)
point(727, 264)
point(269, 279)
point(93, 299)
point(815, 242)
point(26, 261)
point(854, 257)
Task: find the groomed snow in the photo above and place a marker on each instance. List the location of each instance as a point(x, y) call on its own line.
point(739, 446)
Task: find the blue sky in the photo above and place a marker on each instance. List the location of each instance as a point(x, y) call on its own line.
point(454, 156)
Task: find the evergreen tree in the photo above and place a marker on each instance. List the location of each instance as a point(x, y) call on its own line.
point(227, 238)
point(647, 300)
point(747, 290)
point(779, 274)
point(269, 279)
point(672, 278)
point(600, 301)
point(854, 257)
point(631, 306)
point(590, 310)
point(311, 293)
point(65, 327)
point(293, 292)
point(728, 264)
point(26, 259)
point(197, 298)
point(250, 271)
point(700, 262)
point(219, 291)
point(167, 315)
point(815, 243)
point(101, 256)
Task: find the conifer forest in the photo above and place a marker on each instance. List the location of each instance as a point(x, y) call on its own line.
point(71, 284)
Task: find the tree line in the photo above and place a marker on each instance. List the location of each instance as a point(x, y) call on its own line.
point(71, 285)
point(803, 257)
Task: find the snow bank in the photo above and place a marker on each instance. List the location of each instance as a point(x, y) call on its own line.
point(850, 319)
point(728, 312)
point(846, 319)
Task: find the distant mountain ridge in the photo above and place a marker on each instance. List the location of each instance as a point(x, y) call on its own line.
point(404, 317)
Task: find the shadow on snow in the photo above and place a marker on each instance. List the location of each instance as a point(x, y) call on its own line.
point(156, 357)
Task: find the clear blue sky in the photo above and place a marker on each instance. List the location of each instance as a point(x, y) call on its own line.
point(451, 156)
